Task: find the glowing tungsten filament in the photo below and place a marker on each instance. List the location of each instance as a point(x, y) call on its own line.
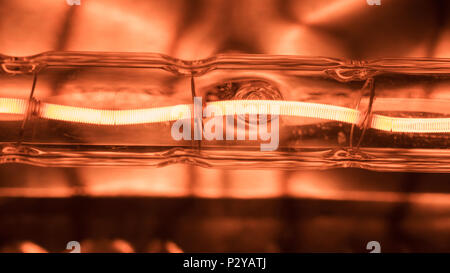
point(225, 108)
point(114, 117)
point(171, 113)
point(289, 108)
point(13, 106)
point(411, 125)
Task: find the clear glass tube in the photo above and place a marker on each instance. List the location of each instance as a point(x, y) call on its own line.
point(87, 108)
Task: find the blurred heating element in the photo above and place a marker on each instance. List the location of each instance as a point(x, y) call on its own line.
point(23, 247)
